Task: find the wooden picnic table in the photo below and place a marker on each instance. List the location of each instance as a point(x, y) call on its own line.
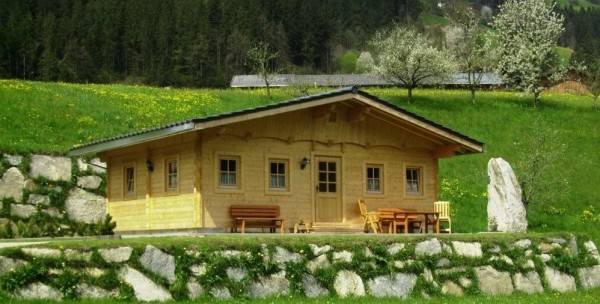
point(387, 216)
point(431, 217)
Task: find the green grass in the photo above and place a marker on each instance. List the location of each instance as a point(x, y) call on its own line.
point(431, 20)
point(580, 4)
point(51, 117)
point(564, 56)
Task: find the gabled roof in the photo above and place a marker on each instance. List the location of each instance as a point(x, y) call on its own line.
point(466, 144)
point(343, 80)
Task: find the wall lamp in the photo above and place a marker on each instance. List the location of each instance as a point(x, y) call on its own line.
point(305, 162)
point(149, 165)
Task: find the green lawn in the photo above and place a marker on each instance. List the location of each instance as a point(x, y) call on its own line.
point(51, 117)
point(579, 5)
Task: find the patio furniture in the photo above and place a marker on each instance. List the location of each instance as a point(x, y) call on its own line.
point(256, 216)
point(430, 218)
point(387, 218)
point(370, 219)
point(444, 209)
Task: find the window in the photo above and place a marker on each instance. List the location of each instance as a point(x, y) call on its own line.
point(278, 175)
point(172, 175)
point(413, 181)
point(129, 180)
point(228, 172)
point(374, 178)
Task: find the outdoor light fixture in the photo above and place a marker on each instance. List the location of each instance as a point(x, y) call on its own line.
point(149, 165)
point(305, 162)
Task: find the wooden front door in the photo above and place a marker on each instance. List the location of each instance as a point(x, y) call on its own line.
point(328, 190)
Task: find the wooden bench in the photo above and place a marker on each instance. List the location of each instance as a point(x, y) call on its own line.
point(256, 216)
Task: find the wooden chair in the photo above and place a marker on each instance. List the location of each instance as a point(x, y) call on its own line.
point(444, 209)
point(369, 218)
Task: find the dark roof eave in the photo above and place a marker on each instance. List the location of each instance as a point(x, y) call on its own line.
point(132, 139)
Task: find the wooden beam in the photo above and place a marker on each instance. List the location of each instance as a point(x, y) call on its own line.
point(323, 110)
point(446, 151)
point(358, 114)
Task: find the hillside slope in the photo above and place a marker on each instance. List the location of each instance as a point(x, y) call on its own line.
point(51, 117)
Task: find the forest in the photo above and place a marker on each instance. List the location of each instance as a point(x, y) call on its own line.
point(203, 43)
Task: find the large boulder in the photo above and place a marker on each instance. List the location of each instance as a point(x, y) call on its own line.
point(270, 286)
point(86, 207)
point(38, 291)
point(506, 212)
point(493, 282)
point(12, 184)
point(89, 182)
point(50, 167)
point(144, 288)
point(22, 211)
point(348, 283)
point(159, 262)
point(398, 286)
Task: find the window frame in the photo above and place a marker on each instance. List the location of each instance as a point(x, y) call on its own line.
point(238, 173)
point(381, 168)
point(286, 175)
point(167, 174)
point(420, 181)
point(126, 181)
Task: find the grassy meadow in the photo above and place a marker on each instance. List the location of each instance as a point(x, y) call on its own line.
point(52, 117)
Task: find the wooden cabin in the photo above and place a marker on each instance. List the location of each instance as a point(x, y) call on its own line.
point(314, 157)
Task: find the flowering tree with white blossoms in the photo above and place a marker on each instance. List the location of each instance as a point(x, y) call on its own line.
point(405, 57)
point(528, 31)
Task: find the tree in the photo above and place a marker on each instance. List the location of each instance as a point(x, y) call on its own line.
point(528, 31)
point(590, 76)
point(405, 57)
point(464, 39)
point(262, 60)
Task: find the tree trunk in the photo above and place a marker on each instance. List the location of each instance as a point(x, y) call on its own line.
point(473, 94)
point(596, 102)
point(409, 100)
point(536, 98)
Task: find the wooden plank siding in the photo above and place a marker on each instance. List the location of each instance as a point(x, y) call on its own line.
point(354, 135)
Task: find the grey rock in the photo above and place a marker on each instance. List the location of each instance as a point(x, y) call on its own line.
point(395, 248)
point(529, 282)
point(198, 270)
point(590, 247)
point(573, 248)
point(233, 254)
point(505, 204)
point(82, 165)
point(49, 167)
point(221, 293)
point(236, 274)
point(8, 264)
point(447, 248)
point(312, 289)
point(545, 247)
point(53, 212)
point(87, 291)
point(38, 291)
point(495, 249)
point(559, 281)
point(195, 290)
point(524, 243)
point(12, 184)
point(451, 288)
point(493, 282)
point(319, 250)
point(116, 255)
point(398, 286)
point(528, 264)
point(97, 166)
point(273, 285)
point(368, 253)
point(342, 256)
point(402, 264)
point(89, 182)
point(143, 287)
point(94, 272)
point(55, 271)
point(469, 250)
point(443, 262)
point(348, 283)
point(528, 252)
point(429, 247)
point(557, 240)
point(159, 262)
point(42, 252)
point(589, 277)
point(83, 206)
point(22, 211)
point(13, 160)
point(428, 275)
point(465, 282)
point(502, 258)
point(283, 256)
point(76, 255)
point(451, 270)
point(35, 199)
point(317, 263)
point(545, 257)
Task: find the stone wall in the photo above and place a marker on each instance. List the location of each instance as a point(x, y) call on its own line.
point(301, 266)
point(45, 195)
